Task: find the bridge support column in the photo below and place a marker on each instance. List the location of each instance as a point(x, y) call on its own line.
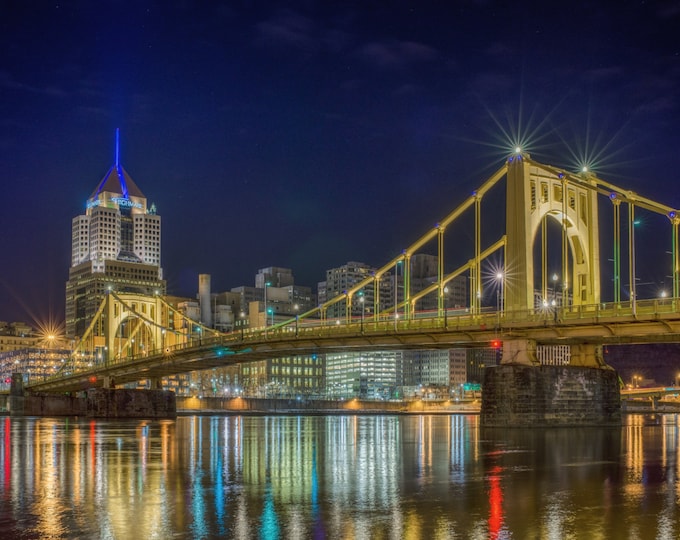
point(586, 355)
point(521, 395)
point(108, 382)
point(519, 352)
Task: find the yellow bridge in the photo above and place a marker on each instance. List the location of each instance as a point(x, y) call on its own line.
point(136, 337)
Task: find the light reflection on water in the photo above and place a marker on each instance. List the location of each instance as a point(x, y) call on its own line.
point(389, 477)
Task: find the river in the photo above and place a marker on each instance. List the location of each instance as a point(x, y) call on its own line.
point(353, 476)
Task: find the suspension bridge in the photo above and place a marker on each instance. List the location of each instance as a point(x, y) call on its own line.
point(134, 337)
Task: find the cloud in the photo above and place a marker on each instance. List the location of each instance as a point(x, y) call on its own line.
point(288, 29)
point(396, 54)
point(7, 82)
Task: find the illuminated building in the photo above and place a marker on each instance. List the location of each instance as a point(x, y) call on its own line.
point(366, 375)
point(478, 359)
point(116, 246)
point(33, 363)
point(343, 278)
point(16, 335)
point(285, 377)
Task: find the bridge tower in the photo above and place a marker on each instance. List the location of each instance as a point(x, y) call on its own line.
point(536, 194)
point(521, 391)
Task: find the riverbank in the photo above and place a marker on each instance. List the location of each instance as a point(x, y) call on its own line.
point(258, 406)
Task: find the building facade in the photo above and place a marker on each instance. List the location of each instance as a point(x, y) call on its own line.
point(366, 375)
point(116, 246)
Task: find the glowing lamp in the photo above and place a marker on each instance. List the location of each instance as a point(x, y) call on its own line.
point(496, 344)
point(518, 150)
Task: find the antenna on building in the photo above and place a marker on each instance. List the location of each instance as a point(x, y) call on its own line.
point(117, 146)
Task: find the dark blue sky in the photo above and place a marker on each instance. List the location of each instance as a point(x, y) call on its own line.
point(306, 134)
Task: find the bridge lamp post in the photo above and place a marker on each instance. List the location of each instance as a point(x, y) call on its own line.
point(361, 303)
point(296, 307)
point(446, 307)
point(554, 300)
point(267, 284)
point(500, 300)
point(242, 317)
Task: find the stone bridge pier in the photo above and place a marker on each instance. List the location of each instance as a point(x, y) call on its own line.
point(520, 392)
point(95, 402)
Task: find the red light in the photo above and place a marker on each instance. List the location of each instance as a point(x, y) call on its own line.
point(93, 379)
point(496, 343)
point(8, 380)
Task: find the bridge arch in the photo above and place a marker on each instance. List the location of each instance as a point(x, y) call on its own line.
point(132, 324)
point(536, 194)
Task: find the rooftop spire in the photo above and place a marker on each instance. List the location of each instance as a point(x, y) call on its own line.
point(117, 147)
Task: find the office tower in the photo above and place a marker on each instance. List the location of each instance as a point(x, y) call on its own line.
point(116, 246)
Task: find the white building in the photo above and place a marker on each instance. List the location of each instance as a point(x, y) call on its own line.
point(115, 246)
point(367, 375)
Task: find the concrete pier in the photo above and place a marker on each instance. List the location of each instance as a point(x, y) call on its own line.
point(520, 395)
point(94, 403)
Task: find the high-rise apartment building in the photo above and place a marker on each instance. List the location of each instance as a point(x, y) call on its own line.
point(342, 278)
point(116, 246)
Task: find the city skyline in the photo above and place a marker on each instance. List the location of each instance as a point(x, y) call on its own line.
point(309, 136)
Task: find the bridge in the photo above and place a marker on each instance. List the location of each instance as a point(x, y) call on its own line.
point(134, 337)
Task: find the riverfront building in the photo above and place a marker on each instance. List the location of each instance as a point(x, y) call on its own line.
point(16, 335)
point(366, 375)
point(116, 246)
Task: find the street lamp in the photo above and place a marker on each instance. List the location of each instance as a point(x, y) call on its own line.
point(500, 301)
point(296, 307)
point(554, 300)
point(361, 302)
point(242, 317)
point(446, 307)
point(267, 284)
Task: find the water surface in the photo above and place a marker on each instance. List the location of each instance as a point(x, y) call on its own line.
point(391, 477)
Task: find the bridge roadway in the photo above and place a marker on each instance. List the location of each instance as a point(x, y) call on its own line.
point(652, 321)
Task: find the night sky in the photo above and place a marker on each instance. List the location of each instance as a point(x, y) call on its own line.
point(309, 135)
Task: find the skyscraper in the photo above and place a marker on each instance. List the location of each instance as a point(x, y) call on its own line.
point(115, 246)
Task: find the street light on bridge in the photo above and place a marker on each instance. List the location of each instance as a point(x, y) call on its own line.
point(555, 277)
point(267, 284)
point(500, 299)
point(361, 303)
